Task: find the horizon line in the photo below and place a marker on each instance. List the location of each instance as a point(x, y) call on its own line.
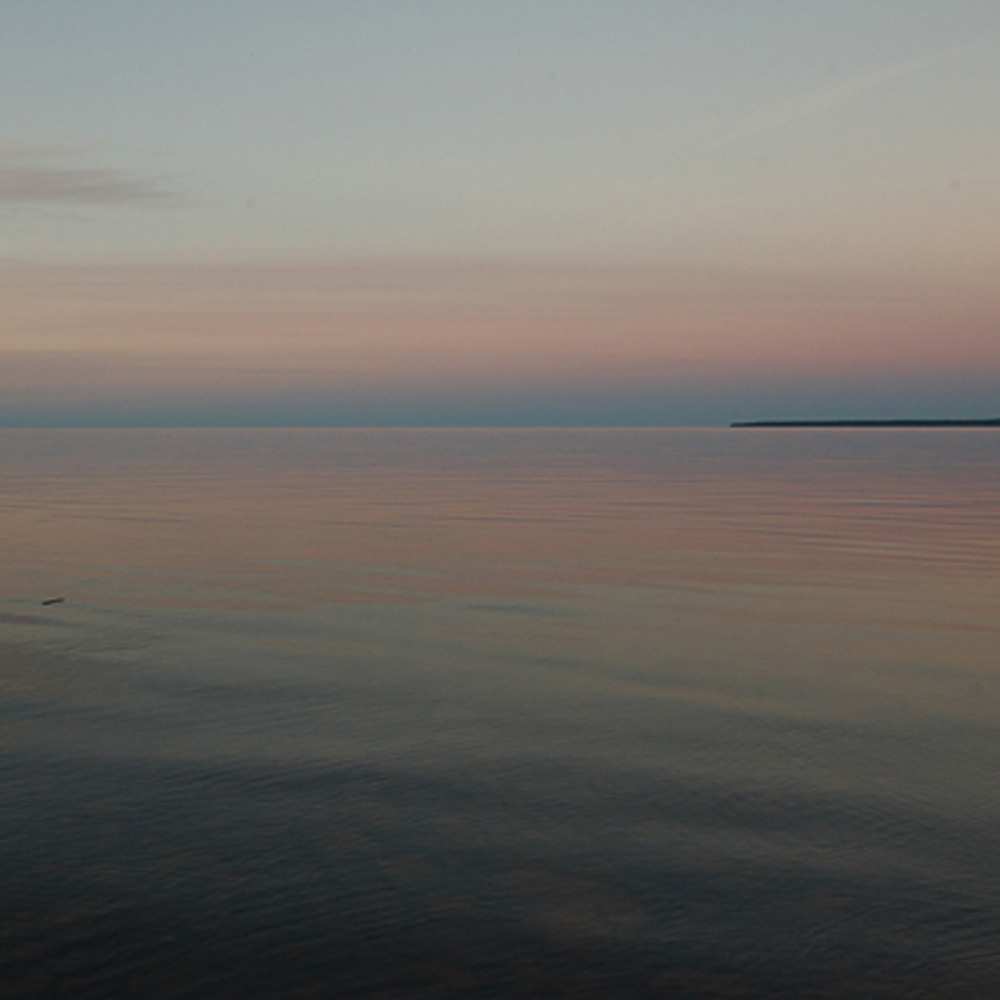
point(355, 427)
point(845, 423)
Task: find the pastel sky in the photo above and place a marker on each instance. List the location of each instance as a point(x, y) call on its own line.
point(470, 212)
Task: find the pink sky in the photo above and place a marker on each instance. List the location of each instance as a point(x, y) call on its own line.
point(448, 328)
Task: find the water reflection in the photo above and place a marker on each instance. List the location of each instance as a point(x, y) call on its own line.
point(624, 712)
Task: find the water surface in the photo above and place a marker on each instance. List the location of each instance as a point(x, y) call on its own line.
point(500, 713)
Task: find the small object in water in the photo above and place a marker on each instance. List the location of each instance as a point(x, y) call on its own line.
point(54, 600)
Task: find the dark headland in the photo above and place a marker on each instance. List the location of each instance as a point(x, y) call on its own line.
point(994, 422)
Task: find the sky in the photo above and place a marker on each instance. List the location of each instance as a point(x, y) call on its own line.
point(460, 212)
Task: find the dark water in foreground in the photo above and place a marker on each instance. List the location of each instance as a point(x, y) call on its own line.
point(500, 713)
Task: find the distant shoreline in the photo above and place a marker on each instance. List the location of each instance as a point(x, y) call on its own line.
point(994, 422)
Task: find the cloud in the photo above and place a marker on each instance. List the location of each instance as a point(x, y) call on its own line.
point(803, 107)
point(41, 176)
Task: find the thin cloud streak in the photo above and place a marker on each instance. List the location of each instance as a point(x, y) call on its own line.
point(36, 176)
point(804, 107)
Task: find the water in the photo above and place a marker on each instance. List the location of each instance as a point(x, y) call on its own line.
point(500, 713)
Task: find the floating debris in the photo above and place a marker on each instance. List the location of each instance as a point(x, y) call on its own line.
point(54, 600)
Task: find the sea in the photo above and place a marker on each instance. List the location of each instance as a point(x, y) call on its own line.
point(639, 713)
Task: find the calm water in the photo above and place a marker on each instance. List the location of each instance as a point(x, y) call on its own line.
point(500, 713)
